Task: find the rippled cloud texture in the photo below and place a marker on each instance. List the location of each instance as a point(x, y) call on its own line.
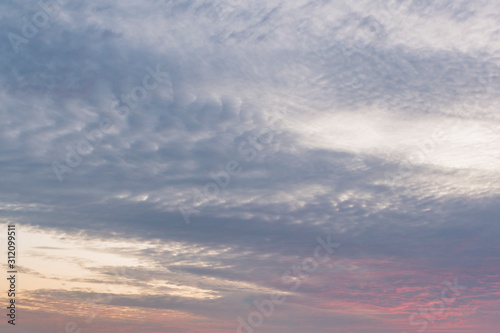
point(167, 162)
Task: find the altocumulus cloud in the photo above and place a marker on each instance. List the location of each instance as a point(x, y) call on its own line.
point(357, 91)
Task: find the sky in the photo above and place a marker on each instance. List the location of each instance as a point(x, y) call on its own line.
point(198, 166)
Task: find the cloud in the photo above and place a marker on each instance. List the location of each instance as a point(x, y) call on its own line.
point(371, 121)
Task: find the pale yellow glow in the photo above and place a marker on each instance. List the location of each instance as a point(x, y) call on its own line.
point(54, 260)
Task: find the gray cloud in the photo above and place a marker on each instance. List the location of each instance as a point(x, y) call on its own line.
point(234, 69)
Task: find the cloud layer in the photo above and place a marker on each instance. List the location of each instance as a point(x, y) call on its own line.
point(374, 122)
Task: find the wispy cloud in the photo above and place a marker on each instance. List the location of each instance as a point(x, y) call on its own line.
point(385, 136)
